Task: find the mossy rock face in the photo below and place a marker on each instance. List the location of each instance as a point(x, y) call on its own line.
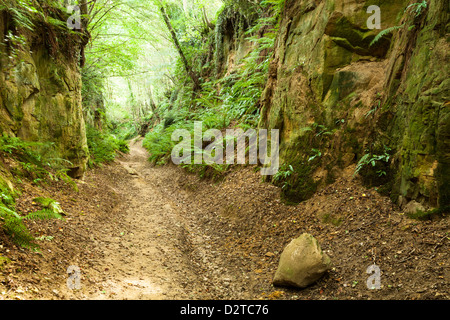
point(421, 124)
point(40, 100)
point(7, 191)
point(443, 157)
point(393, 93)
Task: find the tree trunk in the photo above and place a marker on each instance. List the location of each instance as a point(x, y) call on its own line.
point(188, 68)
point(207, 23)
point(84, 29)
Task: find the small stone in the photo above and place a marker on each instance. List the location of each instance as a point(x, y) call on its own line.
point(131, 171)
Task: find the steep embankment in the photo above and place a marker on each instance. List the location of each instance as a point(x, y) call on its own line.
point(337, 98)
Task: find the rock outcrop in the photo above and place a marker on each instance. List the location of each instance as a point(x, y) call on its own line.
point(331, 89)
point(40, 87)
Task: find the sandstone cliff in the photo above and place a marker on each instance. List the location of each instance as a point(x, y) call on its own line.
point(334, 95)
point(40, 83)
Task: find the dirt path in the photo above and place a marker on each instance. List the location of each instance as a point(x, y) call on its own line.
point(143, 252)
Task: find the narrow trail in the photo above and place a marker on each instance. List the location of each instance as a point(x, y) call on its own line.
point(143, 252)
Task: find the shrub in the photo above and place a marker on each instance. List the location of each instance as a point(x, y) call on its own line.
point(104, 146)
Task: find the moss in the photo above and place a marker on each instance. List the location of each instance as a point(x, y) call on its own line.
point(7, 193)
point(329, 218)
point(231, 24)
point(443, 157)
point(3, 262)
point(430, 214)
point(355, 39)
point(386, 189)
point(301, 185)
point(350, 141)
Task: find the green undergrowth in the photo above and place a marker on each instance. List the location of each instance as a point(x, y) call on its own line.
point(48, 18)
point(14, 223)
point(35, 161)
point(160, 145)
point(429, 214)
point(104, 146)
point(224, 101)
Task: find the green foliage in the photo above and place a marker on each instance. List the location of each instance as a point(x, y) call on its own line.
point(50, 204)
point(37, 159)
point(62, 175)
point(297, 184)
point(416, 8)
point(429, 214)
point(317, 133)
point(239, 92)
point(21, 12)
point(159, 144)
point(282, 176)
point(31, 152)
point(383, 33)
point(315, 154)
point(222, 101)
point(49, 18)
point(104, 146)
point(373, 110)
point(371, 159)
point(126, 130)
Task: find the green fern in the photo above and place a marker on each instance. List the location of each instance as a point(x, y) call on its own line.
point(18, 232)
point(385, 32)
point(21, 18)
point(50, 205)
point(372, 159)
point(6, 212)
point(418, 9)
point(420, 6)
point(13, 223)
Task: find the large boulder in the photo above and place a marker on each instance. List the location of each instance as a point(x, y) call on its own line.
point(302, 263)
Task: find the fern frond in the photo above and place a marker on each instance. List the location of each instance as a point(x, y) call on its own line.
point(21, 19)
point(5, 213)
point(362, 162)
point(51, 205)
point(45, 214)
point(385, 32)
point(18, 232)
point(13, 224)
